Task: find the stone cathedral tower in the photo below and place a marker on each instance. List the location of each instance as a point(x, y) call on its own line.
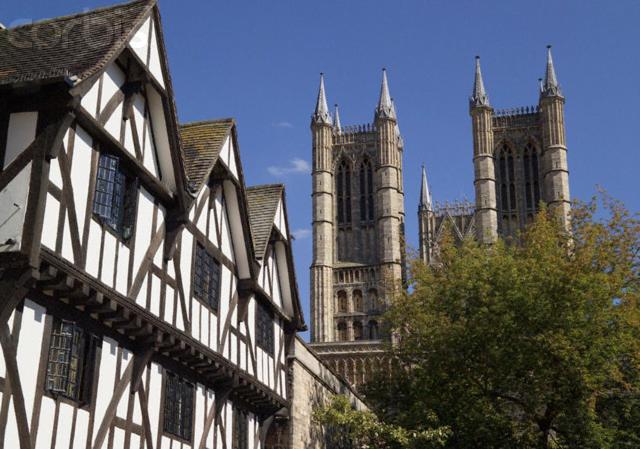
point(358, 232)
point(519, 158)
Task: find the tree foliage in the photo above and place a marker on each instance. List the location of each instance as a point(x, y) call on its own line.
point(533, 343)
point(347, 428)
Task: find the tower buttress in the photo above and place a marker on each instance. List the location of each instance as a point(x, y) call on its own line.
point(323, 216)
point(554, 156)
point(426, 221)
point(483, 161)
point(390, 196)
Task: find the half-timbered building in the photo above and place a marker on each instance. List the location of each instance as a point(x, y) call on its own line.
point(148, 298)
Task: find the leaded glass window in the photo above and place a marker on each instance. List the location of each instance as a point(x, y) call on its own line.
point(115, 197)
point(71, 358)
point(178, 407)
point(240, 434)
point(206, 285)
point(264, 329)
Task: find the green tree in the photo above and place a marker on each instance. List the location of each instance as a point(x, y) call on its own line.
point(528, 344)
point(347, 428)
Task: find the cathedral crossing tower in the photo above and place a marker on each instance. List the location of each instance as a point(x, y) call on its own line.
point(358, 232)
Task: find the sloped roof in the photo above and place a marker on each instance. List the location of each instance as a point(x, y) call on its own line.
point(263, 203)
point(201, 145)
point(77, 45)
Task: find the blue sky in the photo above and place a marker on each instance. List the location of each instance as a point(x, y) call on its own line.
point(259, 62)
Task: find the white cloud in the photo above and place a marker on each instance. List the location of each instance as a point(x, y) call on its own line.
point(283, 124)
point(296, 165)
point(300, 234)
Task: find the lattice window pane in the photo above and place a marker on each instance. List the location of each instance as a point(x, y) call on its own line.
point(67, 360)
point(206, 277)
point(178, 407)
point(115, 196)
point(265, 332)
point(105, 189)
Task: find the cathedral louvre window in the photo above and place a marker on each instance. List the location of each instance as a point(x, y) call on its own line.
point(507, 193)
point(342, 331)
point(178, 407)
point(373, 299)
point(72, 354)
point(357, 301)
point(366, 192)
point(357, 330)
point(343, 190)
point(115, 200)
point(264, 329)
point(342, 301)
point(206, 278)
point(373, 330)
point(531, 177)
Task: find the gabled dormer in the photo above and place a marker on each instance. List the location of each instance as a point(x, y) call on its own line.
point(272, 246)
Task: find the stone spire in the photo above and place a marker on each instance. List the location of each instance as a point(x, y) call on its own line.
point(385, 108)
point(336, 120)
point(479, 95)
point(321, 115)
point(550, 88)
point(425, 194)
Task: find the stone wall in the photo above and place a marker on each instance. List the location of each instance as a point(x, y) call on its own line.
point(312, 385)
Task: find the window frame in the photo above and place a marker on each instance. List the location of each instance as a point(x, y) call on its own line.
point(265, 333)
point(87, 355)
point(201, 250)
point(122, 224)
point(185, 392)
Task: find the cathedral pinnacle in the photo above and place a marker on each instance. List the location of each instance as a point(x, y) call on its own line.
point(385, 108)
point(550, 88)
point(425, 194)
point(479, 96)
point(321, 115)
point(336, 120)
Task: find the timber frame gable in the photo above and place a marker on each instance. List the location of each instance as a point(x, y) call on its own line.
point(128, 250)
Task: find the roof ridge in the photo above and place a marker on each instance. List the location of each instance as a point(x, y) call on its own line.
point(265, 186)
point(206, 122)
point(78, 14)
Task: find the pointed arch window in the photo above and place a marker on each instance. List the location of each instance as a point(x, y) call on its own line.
point(373, 330)
point(357, 330)
point(366, 191)
point(506, 182)
point(531, 178)
point(343, 190)
point(342, 331)
point(357, 301)
point(342, 301)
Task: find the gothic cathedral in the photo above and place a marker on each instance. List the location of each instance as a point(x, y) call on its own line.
point(520, 159)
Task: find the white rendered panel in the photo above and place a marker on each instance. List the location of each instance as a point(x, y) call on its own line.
point(155, 296)
point(82, 425)
point(65, 421)
point(81, 173)
point(123, 268)
point(114, 124)
point(113, 79)
point(155, 65)
point(140, 41)
point(93, 248)
point(143, 227)
point(45, 429)
point(169, 308)
point(108, 259)
point(106, 380)
point(67, 246)
point(14, 196)
point(161, 138)
point(32, 327)
point(90, 99)
point(154, 391)
point(227, 246)
point(150, 160)
point(118, 436)
point(55, 175)
point(138, 116)
point(121, 411)
point(50, 229)
point(20, 134)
